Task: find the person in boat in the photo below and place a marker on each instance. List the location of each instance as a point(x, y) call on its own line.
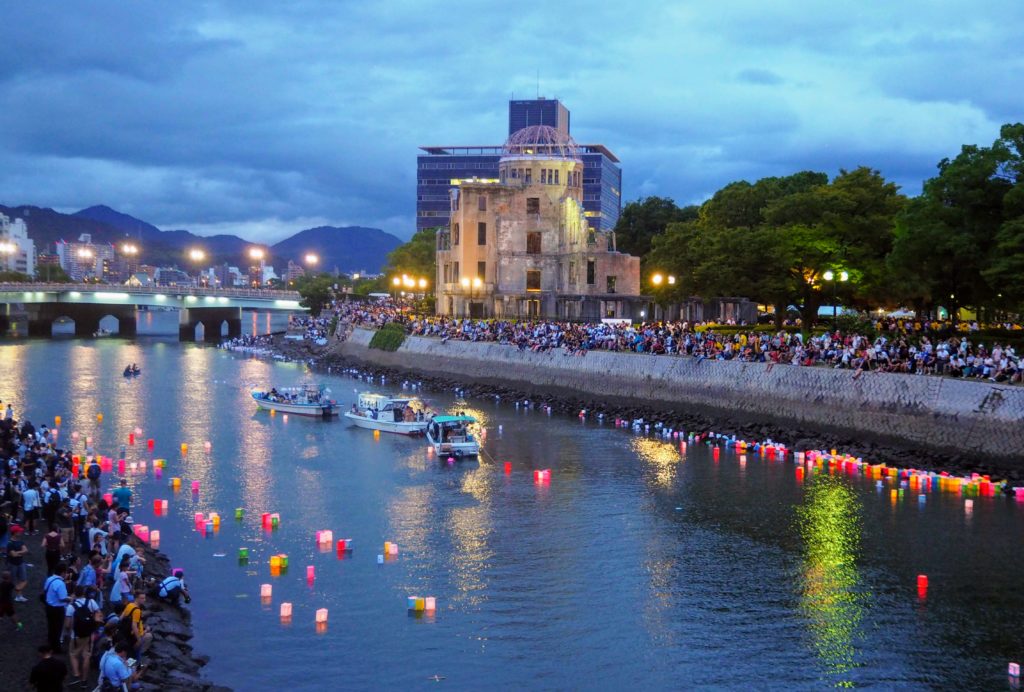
point(135, 369)
point(127, 370)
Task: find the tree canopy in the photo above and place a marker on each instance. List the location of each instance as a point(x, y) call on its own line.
point(416, 258)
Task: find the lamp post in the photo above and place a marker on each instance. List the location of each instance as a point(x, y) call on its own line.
point(658, 280)
point(257, 255)
point(311, 259)
point(84, 255)
point(835, 279)
point(130, 252)
point(7, 251)
point(197, 255)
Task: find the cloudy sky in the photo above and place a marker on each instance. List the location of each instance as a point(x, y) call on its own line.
point(262, 118)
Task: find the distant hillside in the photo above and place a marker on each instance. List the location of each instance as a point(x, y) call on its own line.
point(351, 248)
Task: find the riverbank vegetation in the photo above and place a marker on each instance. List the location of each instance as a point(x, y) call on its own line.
point(788, 241)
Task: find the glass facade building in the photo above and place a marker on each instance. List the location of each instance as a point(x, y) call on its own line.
point(440, 168)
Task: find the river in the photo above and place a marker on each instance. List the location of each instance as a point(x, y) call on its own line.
point(638, 563)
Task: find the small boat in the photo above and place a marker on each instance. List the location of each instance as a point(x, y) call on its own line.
point(394, 414)
point(132, 372)
point(102, 332)
point(450, 435)
point(305, 400)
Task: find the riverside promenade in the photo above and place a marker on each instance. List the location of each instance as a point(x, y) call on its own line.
point(948, 416)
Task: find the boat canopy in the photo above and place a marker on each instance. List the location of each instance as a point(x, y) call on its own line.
point(454, 419)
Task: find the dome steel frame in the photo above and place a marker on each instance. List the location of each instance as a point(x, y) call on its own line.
point(541, 141)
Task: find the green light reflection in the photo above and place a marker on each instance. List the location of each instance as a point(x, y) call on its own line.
point(830, 525)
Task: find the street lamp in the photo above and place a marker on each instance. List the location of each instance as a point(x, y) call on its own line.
point(7, 249)
point(835, 279)
point(257, 255)
point(312, 259)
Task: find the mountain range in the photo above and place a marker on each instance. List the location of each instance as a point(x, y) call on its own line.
point(347, 249)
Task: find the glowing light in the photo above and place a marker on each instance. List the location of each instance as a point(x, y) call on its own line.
point(657, 279)
point(111, 296)
point(312, 258)
point(198, 255)
point(423, 283)
point(257, 253)
point(477, 282)
point(828, 276)
point(286, 303)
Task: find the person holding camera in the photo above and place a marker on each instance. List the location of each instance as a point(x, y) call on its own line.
point(172, 589)
point(117, 670)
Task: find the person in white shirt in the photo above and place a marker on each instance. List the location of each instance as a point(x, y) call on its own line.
point(82, 618)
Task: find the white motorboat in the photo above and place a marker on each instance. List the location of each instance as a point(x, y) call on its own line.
point(451, 436)
point(394, 414)
point(305, 400)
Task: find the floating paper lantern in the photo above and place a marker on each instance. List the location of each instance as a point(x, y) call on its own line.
point(275, 562)
point(215, 518)
point(968, 505)
point(138, 431)
point(131, 438)
point(142, 532)
point(176, 483)
point(99, 417)
point(1013, 670)
point(310, 572)
point(243, 553)
point(134, 466)
point(199, 517)
point(508, 467)
point(264, 519)
point(239, 513)
point(430, 604)
point(120, 466)
point(209, 528)
point(380, 559)
point(922, 581)
point(411, 602)
point(326, 536)
point(285, 418)
point(150, 443)
point(108, 498)
point(74, 435)
point(154, 538)
point(184, 448)
point(286, 611)
point(376, 434)
point(266, 590)
point(275, 520)
point(157, 506)
point(321, 616)
point(207, 446)
point(56, 421)
point(195, 486)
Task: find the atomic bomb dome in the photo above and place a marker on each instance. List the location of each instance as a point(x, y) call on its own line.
point(541, 141)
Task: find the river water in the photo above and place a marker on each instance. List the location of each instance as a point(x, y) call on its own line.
point(636, 565)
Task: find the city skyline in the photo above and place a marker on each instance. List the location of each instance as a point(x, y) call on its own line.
point(260, 119)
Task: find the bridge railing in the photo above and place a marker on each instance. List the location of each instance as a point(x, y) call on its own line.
point(267, 294)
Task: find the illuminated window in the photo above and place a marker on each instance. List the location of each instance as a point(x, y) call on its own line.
point(481, 233)
point(533, 243)
point(610, 282)
point(533, 205)
point(481, 203)
point(532, 279)
point(591, 272)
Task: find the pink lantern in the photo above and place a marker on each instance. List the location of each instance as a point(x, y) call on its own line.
point(286, 611)
point(266, 590)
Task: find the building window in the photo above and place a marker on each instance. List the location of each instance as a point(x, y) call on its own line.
point(455, 234)
point(533, 279)
point(447, 273)
point(455, 272)
point(533, 243)
point(610, 281)
point(481, 271)
point(556, 176)
point(528, 176)
point(481, 203)
point(591, 272)
point(572, 273)
point(533, 205)
point(481, 233)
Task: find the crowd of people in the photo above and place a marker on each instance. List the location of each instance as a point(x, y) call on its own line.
point(897, 345)
point(94, 587)
point(313, 329)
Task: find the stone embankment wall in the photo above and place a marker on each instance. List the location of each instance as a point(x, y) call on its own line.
point(944, 414)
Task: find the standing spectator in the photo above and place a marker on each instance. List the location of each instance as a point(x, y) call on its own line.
point(7, 599)
point(82, 619)
point(16, 552)
point(55, 598)
point(48, 675)
point(30, 502)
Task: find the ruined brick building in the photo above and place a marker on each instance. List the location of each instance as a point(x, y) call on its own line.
point(520, 247)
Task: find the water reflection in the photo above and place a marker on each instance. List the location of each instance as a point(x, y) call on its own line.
point(830, 525)
point(662, 458)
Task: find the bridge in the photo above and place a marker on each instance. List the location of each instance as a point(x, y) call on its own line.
point(41, 304)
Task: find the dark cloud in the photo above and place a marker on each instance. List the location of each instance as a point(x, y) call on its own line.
point(265, 117)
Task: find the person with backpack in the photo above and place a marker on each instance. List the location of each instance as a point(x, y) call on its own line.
point(130, 627)
point(82, 619)
point(93, 473)
point(51, 503)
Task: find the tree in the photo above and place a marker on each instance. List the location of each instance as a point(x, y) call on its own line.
point(643, 220)
point(416, 258)
point(10, 277)
point(316, 290)
point(947, 238)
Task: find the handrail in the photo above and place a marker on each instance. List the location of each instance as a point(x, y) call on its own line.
point(268, 294)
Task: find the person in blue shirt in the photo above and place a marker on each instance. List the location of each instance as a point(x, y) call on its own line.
point(115, 671)
point(123, 495)
point(55, 593)
point(173, 588)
